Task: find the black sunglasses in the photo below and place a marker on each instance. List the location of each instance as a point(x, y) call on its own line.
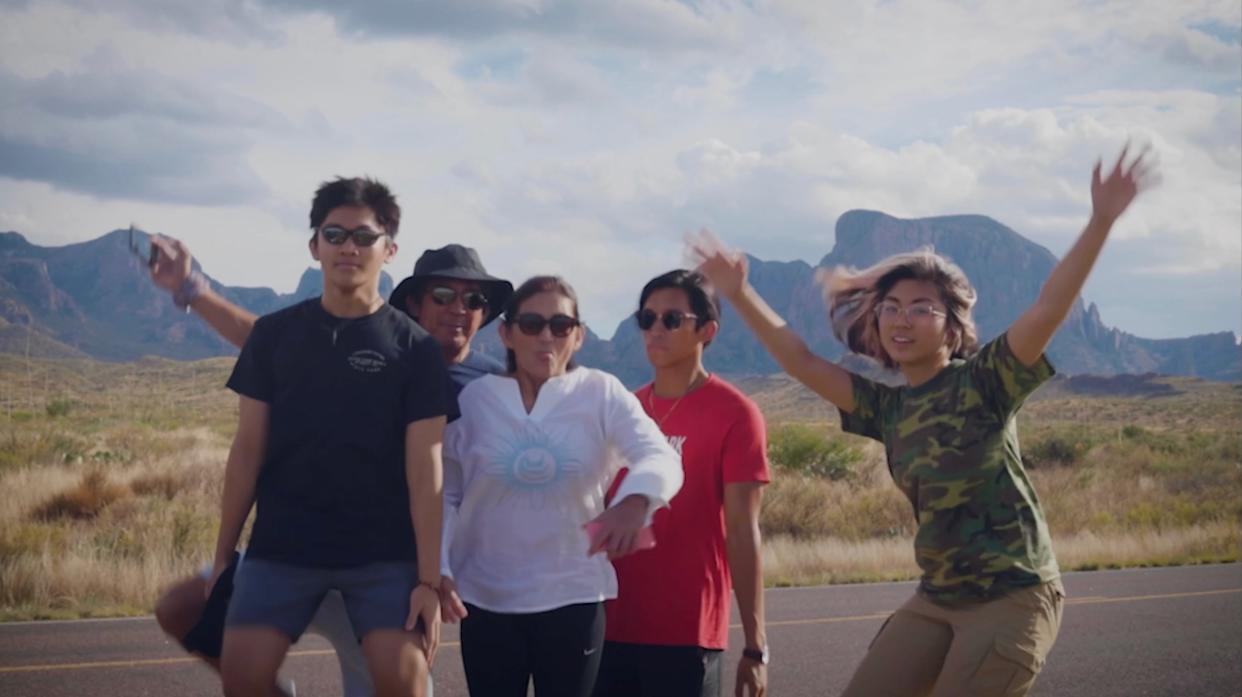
point(472, 299)
point(532, 324)
point(363, 236)
point(671, 319)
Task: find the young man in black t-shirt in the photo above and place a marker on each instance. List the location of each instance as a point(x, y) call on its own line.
point(343, 402)
point(449, 293)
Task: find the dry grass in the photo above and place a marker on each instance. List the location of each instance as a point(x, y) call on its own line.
point(93, 540)
point(111, 477)
point(790, 561)
point(87, 499)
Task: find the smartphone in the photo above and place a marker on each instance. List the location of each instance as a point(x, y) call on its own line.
point(646, 536)
point(140, 246)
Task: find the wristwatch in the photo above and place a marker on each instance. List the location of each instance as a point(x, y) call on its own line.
point(760, 655)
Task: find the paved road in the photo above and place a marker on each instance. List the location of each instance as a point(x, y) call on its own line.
point(1156, 632)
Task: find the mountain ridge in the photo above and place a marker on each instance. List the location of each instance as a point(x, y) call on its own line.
point(92, 298)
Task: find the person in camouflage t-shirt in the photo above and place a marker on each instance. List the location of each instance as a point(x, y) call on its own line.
point(988, 607)
point(952, 448)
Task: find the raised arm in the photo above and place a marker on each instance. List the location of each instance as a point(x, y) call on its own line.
point(727, 270)
point(240, 476)
point(173, 272)
point(1030, 333)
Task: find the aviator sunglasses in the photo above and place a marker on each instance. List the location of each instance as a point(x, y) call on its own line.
point(363, 236)
point(472, 299)
point(532, 324)
point(671, 319)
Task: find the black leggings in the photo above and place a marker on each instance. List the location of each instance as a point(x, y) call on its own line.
point(559, 648)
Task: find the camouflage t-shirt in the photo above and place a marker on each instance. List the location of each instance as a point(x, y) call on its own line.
point(952, 447)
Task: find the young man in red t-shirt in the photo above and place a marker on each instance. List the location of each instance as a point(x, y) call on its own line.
point(669, 625)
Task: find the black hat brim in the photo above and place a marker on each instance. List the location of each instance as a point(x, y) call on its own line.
point(498, 290)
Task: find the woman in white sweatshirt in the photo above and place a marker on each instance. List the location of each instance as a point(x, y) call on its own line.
point(527, 534)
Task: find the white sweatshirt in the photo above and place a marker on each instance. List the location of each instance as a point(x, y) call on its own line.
point(518, 487)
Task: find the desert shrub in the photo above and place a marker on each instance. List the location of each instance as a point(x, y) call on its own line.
point(807, 450)
point(86, 499)
point(1156, 442)
point(59, 407)
point(42, 446)
point(1061, 447)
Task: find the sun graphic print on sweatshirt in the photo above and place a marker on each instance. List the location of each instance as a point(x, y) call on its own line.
point(535, 465)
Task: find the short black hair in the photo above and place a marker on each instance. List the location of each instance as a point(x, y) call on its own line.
point(703, 300)
point(362, 192)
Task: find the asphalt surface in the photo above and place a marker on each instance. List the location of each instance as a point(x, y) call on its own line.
point(1170, 631)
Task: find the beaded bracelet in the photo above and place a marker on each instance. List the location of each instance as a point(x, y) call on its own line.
point(194, 286)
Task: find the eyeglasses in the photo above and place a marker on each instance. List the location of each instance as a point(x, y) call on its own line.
point(532, 324)
point(921, 313)
point(671, 319)
point(363, 236)
point(472, 299)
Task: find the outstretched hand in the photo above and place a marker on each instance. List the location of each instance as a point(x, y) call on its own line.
point(617, 530)
point(725, 268)
point(1111, 195)
point(172, 265)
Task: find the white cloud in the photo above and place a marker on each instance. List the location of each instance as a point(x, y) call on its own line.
point(588, 136)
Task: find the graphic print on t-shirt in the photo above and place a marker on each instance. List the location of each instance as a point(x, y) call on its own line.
point(535, 465)
point(678, 442)
point(367, 361)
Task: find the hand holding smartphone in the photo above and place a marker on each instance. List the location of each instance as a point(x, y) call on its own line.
point(646, 536)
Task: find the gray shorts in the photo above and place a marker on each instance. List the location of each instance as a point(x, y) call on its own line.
point(286, 596)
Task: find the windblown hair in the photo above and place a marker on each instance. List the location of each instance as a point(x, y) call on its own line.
point(531, 287)
point(361, 192)
point(852, 296)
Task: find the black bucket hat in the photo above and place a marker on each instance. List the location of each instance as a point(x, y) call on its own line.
point(459, 263)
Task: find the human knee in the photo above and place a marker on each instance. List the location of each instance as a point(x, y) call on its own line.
point(245, 681)
point(398, 667)
point(178, 610)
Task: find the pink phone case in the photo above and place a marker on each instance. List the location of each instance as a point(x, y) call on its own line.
point(646, 536)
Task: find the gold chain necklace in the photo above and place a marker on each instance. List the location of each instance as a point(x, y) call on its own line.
point(651, 402)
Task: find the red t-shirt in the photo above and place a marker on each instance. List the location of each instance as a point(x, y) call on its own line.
point(677, 594)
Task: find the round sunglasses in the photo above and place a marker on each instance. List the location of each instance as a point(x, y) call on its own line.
point(363, 236)
point(671, 319)
point(532, 324)
point(472, 299)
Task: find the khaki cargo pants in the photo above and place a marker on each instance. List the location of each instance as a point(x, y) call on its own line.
point(993, 649)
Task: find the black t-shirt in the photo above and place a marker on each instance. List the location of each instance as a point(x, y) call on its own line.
point(332, 489)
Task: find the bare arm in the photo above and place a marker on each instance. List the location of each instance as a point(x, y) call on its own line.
point(171, 269)
point(728, 273)
point(240, 476)
point(743, 545)
point(1029, 335)
point(424, 475)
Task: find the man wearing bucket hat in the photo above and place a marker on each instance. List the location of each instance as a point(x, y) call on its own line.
point(450, 294)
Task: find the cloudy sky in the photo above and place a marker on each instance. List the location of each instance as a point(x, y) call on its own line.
point(587, 136)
